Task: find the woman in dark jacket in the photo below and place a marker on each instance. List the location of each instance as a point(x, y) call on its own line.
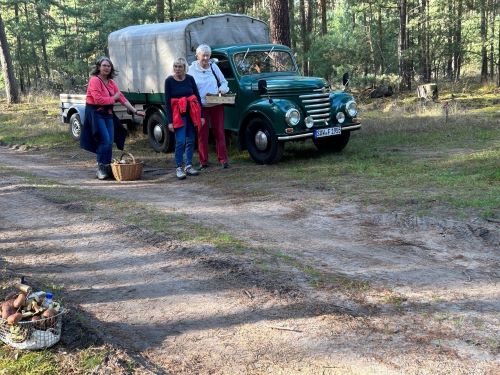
point(183, 110)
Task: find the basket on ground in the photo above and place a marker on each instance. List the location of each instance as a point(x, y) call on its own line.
point(32, 335)
point(127, 168)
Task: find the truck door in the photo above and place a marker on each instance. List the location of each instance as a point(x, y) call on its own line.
point(231, 117)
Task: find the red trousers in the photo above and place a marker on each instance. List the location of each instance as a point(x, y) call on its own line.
point(214, 117)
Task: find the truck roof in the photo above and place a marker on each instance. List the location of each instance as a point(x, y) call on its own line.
point(143, 54)
point(251, 46)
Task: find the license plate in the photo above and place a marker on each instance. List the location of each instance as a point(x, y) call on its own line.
point(327, 132)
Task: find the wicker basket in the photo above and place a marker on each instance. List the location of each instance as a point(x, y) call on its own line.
point(127, 169)
point(220, 99)
point(32, 335)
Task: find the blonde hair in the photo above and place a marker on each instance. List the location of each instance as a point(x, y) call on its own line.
point(181, 60)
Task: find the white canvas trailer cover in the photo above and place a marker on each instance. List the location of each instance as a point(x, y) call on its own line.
point(143, 54)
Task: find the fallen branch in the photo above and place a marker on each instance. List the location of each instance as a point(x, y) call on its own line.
point(468, 276)
point(284, 329)
point(249, 295)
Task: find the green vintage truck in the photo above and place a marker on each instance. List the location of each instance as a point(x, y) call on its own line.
point(273, 103)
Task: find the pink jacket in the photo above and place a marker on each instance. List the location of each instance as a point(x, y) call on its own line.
point(100, 94)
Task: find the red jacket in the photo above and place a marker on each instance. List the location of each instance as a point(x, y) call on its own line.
point(179, 108)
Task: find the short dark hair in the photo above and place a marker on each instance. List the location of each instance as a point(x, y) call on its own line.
point(97, 68)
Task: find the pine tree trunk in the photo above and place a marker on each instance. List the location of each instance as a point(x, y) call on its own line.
point(484, 55)
point(291, 12)
point(457, 51)
point(423, 43)
point(309, 29)
point(303, 34)
point(171, 10)
point(7, 68)
point(18, 53)
point(324, 28)
point(43, 41)
point(492, 45)
point(160, 11)
point(403, 46)
point(370, 65)
point(280, 22)
point(381, 68)
point(34, 55)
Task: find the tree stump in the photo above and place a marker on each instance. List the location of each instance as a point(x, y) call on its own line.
point(428, 91)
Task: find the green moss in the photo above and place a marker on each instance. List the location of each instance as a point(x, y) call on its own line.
point(14, 362)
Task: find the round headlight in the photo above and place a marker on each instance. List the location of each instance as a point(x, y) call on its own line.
point(340, 117)
point(309, 122)
point(351, 108)
point(292, 116)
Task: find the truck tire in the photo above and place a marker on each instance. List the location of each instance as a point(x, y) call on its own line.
point(332, 144)
point(262, 143)
point(75, 126)
point(160, 139)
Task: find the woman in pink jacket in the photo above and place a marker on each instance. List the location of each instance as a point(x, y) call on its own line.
point(101, 127)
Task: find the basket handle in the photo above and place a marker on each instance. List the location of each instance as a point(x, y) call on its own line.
point(130, 155)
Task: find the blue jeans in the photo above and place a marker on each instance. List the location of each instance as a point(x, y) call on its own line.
point(184, 141)
point(105, 129)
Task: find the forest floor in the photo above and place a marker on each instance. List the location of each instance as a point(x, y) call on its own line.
point(315, 286)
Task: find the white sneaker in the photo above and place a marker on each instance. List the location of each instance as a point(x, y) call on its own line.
point(190, 171)
point(180, 173)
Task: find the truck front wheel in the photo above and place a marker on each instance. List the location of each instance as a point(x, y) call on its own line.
point(160, 139)
point(75, 126)
point(332, 144)
point(262, 143)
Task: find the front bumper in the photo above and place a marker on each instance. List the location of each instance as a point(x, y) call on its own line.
point(355, 126)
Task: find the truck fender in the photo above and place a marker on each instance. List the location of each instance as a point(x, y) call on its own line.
point(155, 123)
point(75, 108)
point(249, 115)
point(149, 111)
point(271, 111)
point(74, 116)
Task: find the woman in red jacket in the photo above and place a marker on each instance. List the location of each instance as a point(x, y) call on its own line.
point(101, 127)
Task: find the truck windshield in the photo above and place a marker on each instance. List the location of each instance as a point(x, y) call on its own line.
point(255, 62)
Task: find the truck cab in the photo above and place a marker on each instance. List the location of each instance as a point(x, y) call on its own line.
point(274, 104)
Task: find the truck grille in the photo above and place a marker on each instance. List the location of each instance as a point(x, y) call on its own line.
point(317, 106)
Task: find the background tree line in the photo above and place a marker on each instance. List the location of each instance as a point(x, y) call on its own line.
point(50, 44)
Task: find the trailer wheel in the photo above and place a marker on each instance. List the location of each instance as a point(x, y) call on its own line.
point(262, 143)
point(75, 126)
point(160, 139)
point(332, 144)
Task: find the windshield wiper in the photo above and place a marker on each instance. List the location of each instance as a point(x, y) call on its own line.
point(269, 54)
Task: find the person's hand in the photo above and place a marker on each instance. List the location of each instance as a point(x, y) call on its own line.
point(140, 113)
point(116, 96)
point(171, 127)
point(202, 121)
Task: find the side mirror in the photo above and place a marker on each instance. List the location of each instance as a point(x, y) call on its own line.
point(345, 79)
point(262, 86)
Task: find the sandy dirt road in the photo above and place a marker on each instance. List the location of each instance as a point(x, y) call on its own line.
point(407, 295)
